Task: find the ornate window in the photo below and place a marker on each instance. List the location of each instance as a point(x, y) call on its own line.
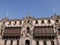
point(57, 20)
point(28, 29)
point(42, 21)
point(28, 21)
point(20, 22)
point(36, 22)
point(49, 21)
point(9, 22)
point(15, 23)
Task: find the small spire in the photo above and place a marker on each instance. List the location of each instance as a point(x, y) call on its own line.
point(6, 16)
point(28, 14)
point(7, 13)
point(54, 12)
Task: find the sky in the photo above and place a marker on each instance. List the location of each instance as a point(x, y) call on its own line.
point(16, 9)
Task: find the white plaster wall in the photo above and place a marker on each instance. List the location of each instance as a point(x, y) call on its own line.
point(33, 22)
point(12, 24)
point(39, 22)
point(59, 20)
point(22, 21)
point(6, 23)
point(0, 23)
point(18, 23)
point(46, 22)
point(52, 21)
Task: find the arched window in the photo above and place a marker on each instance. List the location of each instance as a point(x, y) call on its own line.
point(28, 29)
point(49, 21)
point(28, 21)
point(57, 20)
point(36, 22)
point(9, 23)
point(20, 22)
point(15, 23)
point(42, 21)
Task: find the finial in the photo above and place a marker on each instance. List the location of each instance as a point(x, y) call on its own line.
point(7, 13)
point(5, 17)
point(54, 12)
point(28, 15)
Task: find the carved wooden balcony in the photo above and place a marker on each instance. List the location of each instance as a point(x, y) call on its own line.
point(43, 32)
point(12, 32)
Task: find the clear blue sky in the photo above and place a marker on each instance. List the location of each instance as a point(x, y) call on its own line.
point(36, 8)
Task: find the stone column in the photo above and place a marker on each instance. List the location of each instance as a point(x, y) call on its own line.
point(20, 42)
point(8, 42)
point(41, 42)
point(48, 42)
point(55, 42)
point(14, 42)
point(2, 42)
point(59, 41)
point(33, 42)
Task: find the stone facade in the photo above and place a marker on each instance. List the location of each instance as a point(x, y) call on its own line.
point(27, 36)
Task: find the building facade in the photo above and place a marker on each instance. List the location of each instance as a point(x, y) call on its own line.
point(30, 31)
